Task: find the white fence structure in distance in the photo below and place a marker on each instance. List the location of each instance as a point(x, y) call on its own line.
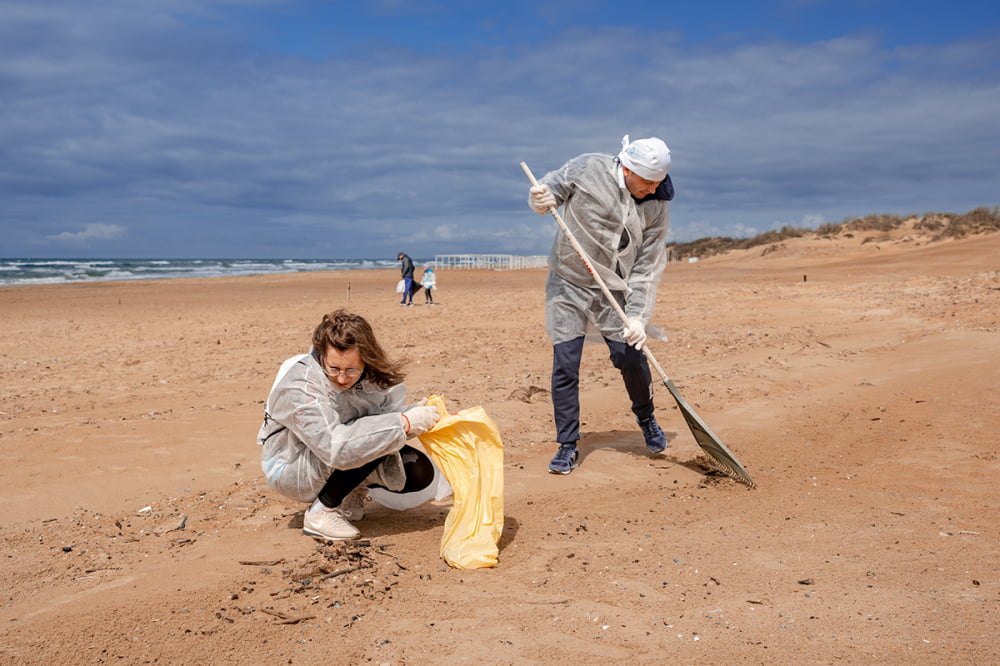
point(490, 262)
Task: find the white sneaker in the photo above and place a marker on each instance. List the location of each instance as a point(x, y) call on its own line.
point(329, 524)
point(353, 506)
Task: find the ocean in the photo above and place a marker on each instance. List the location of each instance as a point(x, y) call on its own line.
point(63, 271)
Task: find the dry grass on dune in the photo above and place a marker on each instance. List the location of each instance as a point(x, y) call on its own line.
point(935, 226)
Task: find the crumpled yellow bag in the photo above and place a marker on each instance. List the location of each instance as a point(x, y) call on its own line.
point(467, 448)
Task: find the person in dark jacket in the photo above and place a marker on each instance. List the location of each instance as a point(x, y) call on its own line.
point(406, 267)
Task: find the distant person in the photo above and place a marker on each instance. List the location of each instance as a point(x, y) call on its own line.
point(617, 208)
point(335, 423)
point(429, 280)
point(406, 267)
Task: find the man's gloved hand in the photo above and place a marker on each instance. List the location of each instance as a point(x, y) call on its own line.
point(635, 332)
point(541, 199)
point(418, 420)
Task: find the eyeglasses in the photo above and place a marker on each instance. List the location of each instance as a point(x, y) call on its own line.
point(350, 373)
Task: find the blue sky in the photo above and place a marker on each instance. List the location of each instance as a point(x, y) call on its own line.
point(300, 129)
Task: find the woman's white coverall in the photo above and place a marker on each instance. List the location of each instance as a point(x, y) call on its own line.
point(312, 428)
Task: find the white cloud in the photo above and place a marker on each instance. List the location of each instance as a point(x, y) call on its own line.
point(90, 232)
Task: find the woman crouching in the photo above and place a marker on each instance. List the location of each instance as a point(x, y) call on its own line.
point(335, 423)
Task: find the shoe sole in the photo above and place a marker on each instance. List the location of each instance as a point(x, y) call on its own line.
point(323, 537)
point(652, 450)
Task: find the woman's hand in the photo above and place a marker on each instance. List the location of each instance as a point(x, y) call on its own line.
point(418, 420)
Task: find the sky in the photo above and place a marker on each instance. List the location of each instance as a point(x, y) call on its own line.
point(306, 129)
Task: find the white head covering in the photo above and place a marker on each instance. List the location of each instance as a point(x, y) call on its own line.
point(647, 158)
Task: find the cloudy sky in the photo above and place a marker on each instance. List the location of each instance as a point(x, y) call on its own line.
point(307, 129)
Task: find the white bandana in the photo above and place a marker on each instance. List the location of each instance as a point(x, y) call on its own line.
point(647, 158)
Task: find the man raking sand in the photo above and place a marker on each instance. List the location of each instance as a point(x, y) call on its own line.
point(619, 205)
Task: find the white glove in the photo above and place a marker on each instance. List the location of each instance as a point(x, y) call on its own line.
point(635, 332)
point(541, 199)
point(418, 420)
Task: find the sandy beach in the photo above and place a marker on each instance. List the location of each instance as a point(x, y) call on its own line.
point(856, 382)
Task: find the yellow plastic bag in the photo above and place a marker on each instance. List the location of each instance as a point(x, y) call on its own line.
point(467, 448)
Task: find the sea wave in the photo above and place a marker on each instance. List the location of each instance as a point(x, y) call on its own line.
point(60, 271)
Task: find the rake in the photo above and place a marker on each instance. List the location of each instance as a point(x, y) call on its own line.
point(719, 456)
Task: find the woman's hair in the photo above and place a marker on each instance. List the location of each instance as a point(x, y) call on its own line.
point(344, 330)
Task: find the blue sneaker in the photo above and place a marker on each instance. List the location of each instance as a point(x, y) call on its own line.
point(656, 441)
point(567, 459)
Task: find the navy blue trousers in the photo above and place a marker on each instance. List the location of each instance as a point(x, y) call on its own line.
point(566, 356)
point(407, 290)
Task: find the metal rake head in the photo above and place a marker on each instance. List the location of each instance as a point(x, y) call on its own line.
point(718, 455)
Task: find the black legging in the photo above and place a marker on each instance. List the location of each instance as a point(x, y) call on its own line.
point(416, 466)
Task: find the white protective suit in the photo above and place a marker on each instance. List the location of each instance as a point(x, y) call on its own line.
point(625, 241)
point(311, 428)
